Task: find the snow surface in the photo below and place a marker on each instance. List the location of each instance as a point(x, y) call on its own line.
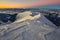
point(40, 29)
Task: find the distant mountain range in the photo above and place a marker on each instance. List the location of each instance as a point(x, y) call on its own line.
point(56, 6)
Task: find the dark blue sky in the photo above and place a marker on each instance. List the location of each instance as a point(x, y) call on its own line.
point(56, 6)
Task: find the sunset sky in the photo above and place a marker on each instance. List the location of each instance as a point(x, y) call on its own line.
point(26, 3)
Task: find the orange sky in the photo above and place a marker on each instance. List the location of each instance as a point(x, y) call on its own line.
point(25, 3)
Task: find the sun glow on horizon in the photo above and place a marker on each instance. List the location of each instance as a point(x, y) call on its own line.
point(26, 4)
